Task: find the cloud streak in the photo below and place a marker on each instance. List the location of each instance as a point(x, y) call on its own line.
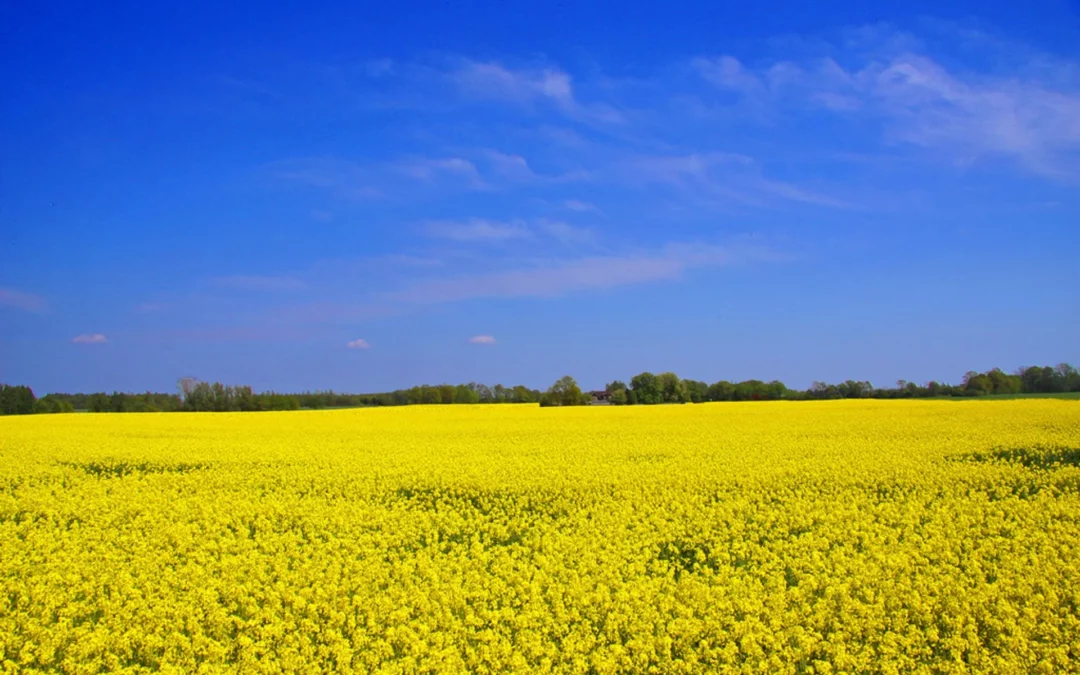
point(27, 302)
point(580, 206)
point(477, 230)
point(723, 178)
point(482, 340)
point(1028, 116)
point(593, 273)
point(89, 339)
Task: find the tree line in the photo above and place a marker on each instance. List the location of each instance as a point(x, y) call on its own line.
point(643, 389)
point(649, 389)
point(196, 396)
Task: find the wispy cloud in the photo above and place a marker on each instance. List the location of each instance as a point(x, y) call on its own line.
point(566, 233)
point(1028, 115)
point(523, 86)
point(482, 340)
point(580, 206)
point(28, 302)
point(429, 168)
point(481, 230)
point(723, 178)
point(90, 339)
point(477, 230)
point(494, 81)
point(727, 71)
point(358, 344)
point(514, 167)
point(260, 283)
point(548, 280)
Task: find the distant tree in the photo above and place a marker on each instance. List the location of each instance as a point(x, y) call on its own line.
point(50, 404)
point(463, 394)
point(1070, 377)
point(118, 402)
point(749, 390)
point(976, 384)
point(699, 391)
point(274, 401)
point(619, 396)
point(615, 386)
point(645, 389)
point(523, 394)
point(16, 400)
point(721, 391)
point(1004, 384)
point(565, 391)
point(484, 392)
point(672, 389)
point(98, 403)
point(774, 391)
point(184, 387)
point(245, 399)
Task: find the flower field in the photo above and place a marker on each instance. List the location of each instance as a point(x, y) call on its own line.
point(831, 537)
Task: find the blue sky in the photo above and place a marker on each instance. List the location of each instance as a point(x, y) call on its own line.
point(370, 197)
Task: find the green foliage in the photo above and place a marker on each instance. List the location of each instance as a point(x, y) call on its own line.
point(615, 386)
point(672, 389)
point(619, 397)
point(699, 391)
point(51, 404)
point(564, 392)
point(720, 391)
point(16, 400)
point(646, 389)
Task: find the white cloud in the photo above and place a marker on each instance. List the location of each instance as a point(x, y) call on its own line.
point(492, 80)
point(1029, 114)
point(358, 344)
point(477, 229)
point(260, 283)
point(509, 166)
point(726, 71)
point(427, 168)
point(89, 339)
point(353, 180)
point(969, 117)
point(561, 277)
point(482, 340)
point(723, 178)
point(580, 206)
point(28, 302)
point(566, 233)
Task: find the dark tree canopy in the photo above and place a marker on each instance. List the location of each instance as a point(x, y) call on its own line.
point(644, 389)
point(565, 391)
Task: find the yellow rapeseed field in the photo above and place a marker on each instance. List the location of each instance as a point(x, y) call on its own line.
point(810, 537)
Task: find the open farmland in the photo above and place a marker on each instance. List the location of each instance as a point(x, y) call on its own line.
point(856, 536)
